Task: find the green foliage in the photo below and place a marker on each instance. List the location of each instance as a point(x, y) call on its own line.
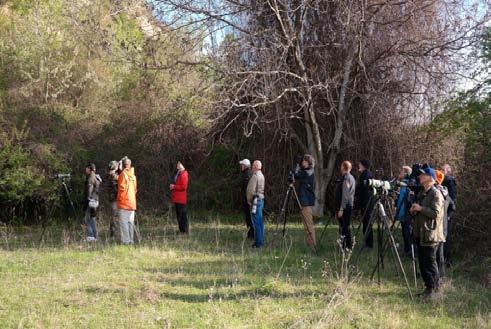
point(25, 168)
point(18, 178)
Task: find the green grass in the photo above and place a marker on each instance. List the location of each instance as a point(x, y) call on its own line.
point(213, 279)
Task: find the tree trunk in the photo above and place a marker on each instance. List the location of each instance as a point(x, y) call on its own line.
point(325, 171)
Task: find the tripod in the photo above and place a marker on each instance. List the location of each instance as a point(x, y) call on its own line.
point(284, 206)
point(68, 205)
point(379, 215)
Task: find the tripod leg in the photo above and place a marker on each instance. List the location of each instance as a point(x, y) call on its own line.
point(401, 266)
point(284, 208)
point(365, 235)
point(363, 215)
point(414, 266)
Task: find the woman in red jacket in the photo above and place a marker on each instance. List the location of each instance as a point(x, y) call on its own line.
point(179, 190)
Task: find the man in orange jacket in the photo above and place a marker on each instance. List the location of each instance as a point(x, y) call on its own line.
point(127, 201)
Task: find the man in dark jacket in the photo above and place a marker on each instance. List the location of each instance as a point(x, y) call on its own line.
point(91, 202)
point(345, 193)
point(304, 174)
point(428, 228)
point(451, 185)
point(246, 173)
point(363, 197)
point(112, 192)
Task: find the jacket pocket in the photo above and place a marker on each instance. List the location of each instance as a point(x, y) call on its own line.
point(430, 234)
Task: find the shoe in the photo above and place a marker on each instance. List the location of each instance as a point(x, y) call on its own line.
point(427, 294)
point(255, 246)
point(91, 239)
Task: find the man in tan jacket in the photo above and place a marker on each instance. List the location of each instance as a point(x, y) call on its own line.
point(428, 228)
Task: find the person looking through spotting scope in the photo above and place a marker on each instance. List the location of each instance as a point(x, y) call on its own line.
point(246, 173)
point(112, 190)
point(127, 200)
point(402, 209)
point(304, 174)
point(363, 197)
point(255, 198)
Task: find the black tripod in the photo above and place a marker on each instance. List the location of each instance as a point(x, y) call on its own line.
point(379, 215)
point(68, 205)
point(284, 207)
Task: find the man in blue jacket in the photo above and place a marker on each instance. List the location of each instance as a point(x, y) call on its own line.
point(304, 174)
point(402, 209)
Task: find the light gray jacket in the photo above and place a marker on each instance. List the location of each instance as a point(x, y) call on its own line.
point(348, 195)
point(255, 186)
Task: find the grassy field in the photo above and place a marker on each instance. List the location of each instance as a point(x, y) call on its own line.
point(213, 279)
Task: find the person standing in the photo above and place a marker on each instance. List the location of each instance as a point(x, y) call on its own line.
point(304, 174)
point(112, 190)
point(402, 209)
point(440, 252)
point(428, 228)
point(245, 169)
point(179, 190)
point(255, 198)
point(127, 189)
point(451, 185)
point(345, 194)
point(363, 197)
point(91, 204)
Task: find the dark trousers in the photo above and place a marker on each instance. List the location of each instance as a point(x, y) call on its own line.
point(440, 259)
point(367, 211)
point(447, 244)
point(182, 218)
point(248, 220)
point(344, 228)
point(428, 266)
point(407, 228)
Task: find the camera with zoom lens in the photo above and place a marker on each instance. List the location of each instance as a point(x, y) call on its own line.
point(62, 176)
point(379, 184)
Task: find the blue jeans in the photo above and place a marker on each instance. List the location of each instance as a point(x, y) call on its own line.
point(257, 223)
point(90, 215)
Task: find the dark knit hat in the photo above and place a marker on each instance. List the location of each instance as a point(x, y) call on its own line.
point(365, 163)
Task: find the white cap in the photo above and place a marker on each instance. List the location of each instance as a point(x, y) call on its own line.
point(245, 162)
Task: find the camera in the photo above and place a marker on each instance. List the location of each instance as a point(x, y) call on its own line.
point(379, 184)
point(62, 176)
point(291, 177)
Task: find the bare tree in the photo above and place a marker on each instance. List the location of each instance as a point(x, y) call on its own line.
point(298, 68)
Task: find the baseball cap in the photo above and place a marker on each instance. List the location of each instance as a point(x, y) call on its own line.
point(245, 162)
point(428, 171)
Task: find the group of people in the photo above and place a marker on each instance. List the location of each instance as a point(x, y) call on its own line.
point(424, 206)
point(121, 187)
